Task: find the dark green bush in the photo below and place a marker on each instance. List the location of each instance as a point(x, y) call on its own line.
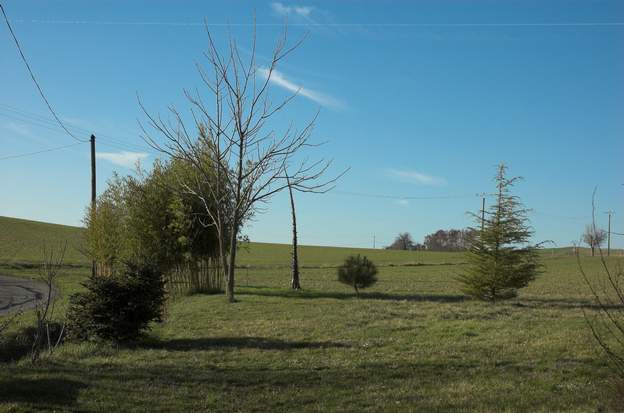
point(358, 272)
point(117, 308)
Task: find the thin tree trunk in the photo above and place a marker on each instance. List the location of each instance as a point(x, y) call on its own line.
point(224, 262)
point(231, 265)
point(294, 282)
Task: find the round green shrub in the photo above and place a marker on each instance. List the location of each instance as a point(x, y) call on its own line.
point(358, 272)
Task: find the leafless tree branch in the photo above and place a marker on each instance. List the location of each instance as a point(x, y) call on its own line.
point(241, 160)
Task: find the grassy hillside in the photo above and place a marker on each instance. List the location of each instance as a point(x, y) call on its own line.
point(22, 240)
point(278, 255)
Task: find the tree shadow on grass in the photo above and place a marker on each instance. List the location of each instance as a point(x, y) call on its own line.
point(533, 302)
point(42, 394)
point(237, 343)
point(439, 298)
point(563, 303)
point(193, 386)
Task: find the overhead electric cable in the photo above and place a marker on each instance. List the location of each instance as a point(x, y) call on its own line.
point(327, 24)
point(34, 79)
point(22, 155)
point(383, 196)
point(549, 215)
point(47, 123)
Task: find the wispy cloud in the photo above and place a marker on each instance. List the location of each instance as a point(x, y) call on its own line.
point(123, 158)
point(278, 79)
point(284, 10)
point(402, 202)
point(21, 130)
point(316, 19)
point(415, 177)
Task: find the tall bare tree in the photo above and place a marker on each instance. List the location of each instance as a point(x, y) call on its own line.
point(594, 237)
point(607, 288)
point(295, 284)
point(248, 157)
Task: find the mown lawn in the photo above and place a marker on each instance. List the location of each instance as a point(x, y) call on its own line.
point(413, 342)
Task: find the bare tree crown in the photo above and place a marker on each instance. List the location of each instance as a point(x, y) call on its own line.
point(242, 160)
point(251, 157)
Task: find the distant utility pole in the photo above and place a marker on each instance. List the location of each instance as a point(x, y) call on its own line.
point(482, 195)
point(609, 212)
point(92, 140)
point(373, 241)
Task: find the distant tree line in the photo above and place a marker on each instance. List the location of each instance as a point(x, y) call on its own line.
point(404, 242)
point(441, 240)
point(450, 240)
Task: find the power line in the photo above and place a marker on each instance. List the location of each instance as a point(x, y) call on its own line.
point(549, 215)
point(46, 123)
point(31, 117)
point(402, 197)
point(22, 155)
point(35, 117)
point(52, 127)
point(34, 79)
point(320, 24)
point(399, 197)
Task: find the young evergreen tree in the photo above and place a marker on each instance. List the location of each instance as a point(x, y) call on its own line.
point(358, 272)
point(501, 258)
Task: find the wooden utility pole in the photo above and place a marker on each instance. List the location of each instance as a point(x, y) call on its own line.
point(609, 212)
point(482, 195)
point(93, 199)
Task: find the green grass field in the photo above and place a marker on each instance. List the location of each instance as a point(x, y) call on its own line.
point(21, 241)
point(413, 342)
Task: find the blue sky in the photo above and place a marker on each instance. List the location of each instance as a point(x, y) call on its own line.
point(418, 98)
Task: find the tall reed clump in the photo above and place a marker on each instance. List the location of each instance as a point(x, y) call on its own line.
point(150, 221)
point(199, 277)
